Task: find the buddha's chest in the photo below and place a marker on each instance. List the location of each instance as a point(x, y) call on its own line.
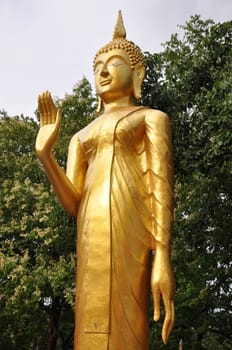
point(106, 134)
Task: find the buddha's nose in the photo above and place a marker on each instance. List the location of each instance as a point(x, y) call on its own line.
point(104, 72)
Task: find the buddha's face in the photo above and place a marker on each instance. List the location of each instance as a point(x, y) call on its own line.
point(113, 75)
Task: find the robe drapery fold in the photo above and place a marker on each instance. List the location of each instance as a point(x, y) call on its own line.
point(126, 192)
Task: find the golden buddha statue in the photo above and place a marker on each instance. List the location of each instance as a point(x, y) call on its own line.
point(118, 185)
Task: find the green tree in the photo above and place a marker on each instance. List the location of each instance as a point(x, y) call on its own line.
point(37, 239)
point(191, 81)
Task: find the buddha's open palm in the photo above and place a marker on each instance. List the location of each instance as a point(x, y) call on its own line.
point(49, 124)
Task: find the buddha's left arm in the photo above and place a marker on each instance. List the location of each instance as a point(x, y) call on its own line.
point(160, 182)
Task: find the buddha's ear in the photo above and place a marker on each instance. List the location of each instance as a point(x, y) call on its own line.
point(99, 109)
point(138, 76)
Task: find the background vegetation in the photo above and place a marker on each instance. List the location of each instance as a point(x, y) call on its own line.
point(191, 81)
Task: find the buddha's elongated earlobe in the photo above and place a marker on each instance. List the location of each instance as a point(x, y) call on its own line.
point(138, 76)
point(99, 106)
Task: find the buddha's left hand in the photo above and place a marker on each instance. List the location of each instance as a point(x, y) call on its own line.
point(163, 284)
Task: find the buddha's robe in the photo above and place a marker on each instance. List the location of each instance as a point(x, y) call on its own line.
point(124, 174)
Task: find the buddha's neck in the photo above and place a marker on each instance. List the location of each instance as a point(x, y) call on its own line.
point(122, 103)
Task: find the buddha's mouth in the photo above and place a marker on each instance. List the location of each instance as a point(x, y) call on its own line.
point(105, 82)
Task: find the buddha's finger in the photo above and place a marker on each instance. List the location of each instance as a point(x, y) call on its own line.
point(156, 299)
point(40, 108)
point(43, 112)
point(47, 107)
point(168, 321)
point(52, 108)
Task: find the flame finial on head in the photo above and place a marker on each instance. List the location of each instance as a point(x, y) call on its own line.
point(119, 30)
point(119, 41)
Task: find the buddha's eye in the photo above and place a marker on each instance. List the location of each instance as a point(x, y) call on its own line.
point(115, 64)
point(98, 68)
point(108, 65)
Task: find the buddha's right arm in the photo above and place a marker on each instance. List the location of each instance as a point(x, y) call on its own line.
point(68, 187)
point(66, 193)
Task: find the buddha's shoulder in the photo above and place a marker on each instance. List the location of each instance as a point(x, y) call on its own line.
point(155, 116)
point(87, 130)
point(80, 135)
point(151, 113)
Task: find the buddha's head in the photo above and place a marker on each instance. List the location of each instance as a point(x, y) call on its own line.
point(123, 59)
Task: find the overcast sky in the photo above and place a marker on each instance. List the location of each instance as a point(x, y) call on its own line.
point(50, 44)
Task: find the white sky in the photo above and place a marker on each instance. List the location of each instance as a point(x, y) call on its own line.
point(50, 44)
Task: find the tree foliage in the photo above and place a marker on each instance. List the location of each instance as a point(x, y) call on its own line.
point(191, 81)
point(37, 246)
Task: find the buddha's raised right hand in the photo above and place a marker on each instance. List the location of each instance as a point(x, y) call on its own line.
point(49, 125)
